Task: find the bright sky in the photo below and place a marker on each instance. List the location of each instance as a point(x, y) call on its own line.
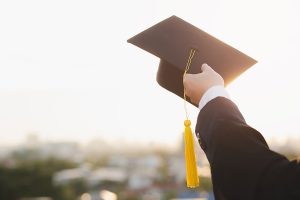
point(67, 73)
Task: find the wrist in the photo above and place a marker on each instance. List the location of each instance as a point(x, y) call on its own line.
point(212, 93)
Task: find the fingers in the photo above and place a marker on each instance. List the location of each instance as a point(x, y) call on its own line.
point(195, 85)
point(205, 67)
point(187, 79)
point(187, 83)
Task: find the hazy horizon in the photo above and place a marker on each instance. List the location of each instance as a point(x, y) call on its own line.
point(67, 72)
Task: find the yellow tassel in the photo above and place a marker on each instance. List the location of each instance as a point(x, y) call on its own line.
point(192, 178)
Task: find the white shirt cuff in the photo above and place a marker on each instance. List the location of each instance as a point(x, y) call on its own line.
point(211, 93)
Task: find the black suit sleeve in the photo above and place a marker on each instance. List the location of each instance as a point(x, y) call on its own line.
point(242, 165)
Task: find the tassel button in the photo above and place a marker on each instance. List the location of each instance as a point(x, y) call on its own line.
point(187, 122)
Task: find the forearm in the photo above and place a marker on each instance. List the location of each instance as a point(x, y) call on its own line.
point(215, 105)
point(238, 154)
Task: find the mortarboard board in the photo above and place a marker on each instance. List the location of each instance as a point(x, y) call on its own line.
point(171, 41)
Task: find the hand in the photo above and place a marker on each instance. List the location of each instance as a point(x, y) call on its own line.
point(197, 84)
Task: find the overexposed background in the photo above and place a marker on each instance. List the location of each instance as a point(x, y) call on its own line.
point(67, 72)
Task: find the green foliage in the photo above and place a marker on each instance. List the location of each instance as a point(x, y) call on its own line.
point(205, 184)
point(31, 178)
point(70, 191)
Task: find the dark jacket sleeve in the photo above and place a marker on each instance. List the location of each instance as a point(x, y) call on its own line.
point(242, 165)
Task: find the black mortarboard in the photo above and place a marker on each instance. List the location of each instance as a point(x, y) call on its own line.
point(172, 39)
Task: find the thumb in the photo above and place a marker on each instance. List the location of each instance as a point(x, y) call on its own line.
point(186, 79)
point(206, 67)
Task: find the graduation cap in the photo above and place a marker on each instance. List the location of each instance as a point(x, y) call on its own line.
point(172, 39)
point(183, 48)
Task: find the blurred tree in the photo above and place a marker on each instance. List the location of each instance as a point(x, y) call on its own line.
point(32, 178)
